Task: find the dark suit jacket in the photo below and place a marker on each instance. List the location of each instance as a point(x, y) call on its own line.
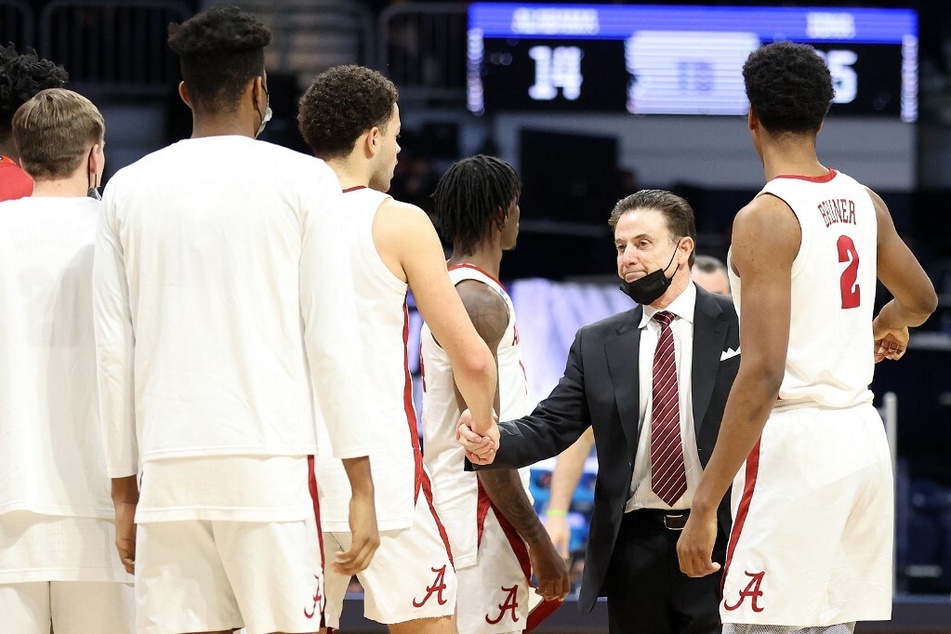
point(600, 389)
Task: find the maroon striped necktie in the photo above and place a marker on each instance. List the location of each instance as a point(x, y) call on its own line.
point(668, 475)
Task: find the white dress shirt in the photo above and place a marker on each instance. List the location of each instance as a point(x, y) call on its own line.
point(641, 495)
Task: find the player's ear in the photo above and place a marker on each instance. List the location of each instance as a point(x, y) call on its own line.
point(372, 141)
point(259, 90)
point(500, 218)
point(97, 162)
point(183, 93)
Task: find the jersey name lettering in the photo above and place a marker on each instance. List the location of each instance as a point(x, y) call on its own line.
point(837, 210)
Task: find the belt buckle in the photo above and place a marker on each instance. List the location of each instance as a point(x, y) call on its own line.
point(675, 522)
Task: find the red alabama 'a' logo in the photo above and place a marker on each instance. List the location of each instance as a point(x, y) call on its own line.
point(751, 590)
point(437, 587)
point(510, 604)
point(318, 598)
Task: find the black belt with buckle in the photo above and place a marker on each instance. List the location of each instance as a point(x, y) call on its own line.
point(671, 520)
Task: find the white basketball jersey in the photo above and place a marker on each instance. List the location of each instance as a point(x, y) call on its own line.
point(455, 490)
point(382, 313)
point(830, 359)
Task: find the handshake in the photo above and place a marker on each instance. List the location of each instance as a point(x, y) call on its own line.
point(479, 441)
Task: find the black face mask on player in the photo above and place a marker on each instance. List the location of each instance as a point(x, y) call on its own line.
point(648, 288)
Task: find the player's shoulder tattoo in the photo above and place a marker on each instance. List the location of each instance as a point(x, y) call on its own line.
point(487, 310)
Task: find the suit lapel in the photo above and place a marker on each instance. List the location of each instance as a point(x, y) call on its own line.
point(709, 337)
point(622, 354)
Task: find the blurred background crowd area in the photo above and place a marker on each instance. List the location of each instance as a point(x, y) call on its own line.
point(466, 89)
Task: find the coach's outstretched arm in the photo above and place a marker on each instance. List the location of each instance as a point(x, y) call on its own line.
point(554, 425)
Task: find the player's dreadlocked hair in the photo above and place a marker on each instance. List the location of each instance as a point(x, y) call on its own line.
point(341, 104)
point(789, 87)
point(470, 196)
point(220, 50)
point(21, 77)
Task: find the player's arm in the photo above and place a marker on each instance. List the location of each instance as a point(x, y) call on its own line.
point(766, 238)
point(362, 518)
point(411, 235)
point(125, 499)
point(490, 316)
point(334, 353)
point(913, 294)
point(504, 488)
point(564, 481)
point(115, 356)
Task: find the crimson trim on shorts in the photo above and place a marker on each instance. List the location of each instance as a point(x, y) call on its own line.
point(752, 470)
point(312, 487)
point(422, 482)
point(482, 510)
point(825, 178)
point(544, 608)
point(466, 265)
point(354, 188)
point(540, 612)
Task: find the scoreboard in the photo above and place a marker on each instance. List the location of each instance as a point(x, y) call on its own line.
point(679, 60)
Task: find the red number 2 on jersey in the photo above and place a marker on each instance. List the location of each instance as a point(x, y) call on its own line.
point(851, 293)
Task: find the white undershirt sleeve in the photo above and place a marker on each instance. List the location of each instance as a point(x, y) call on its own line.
point(329, 319)
point(115, 347)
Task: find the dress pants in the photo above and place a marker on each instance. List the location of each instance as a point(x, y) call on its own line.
point(646, 592)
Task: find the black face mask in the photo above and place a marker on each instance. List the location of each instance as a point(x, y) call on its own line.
point(647, 289)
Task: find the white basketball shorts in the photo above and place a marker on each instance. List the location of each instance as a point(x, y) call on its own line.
point(496, 594)
point(73, 607)
point(197, 575)
point(410, 577)
point(813, 512)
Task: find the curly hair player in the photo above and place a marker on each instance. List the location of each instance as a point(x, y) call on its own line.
point(811, 545)
point(349, 117)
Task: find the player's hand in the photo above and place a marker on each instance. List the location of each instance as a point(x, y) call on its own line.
point(488, 429)
point(365, 537)
point(479, 449)
point(890, 343)
point(550, 571)
point(695, 546)
point(559, 532)
point(125, 534)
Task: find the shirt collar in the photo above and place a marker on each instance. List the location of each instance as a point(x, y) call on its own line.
point(682, 306)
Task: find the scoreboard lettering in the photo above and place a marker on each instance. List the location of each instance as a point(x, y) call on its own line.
point(680, 59)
